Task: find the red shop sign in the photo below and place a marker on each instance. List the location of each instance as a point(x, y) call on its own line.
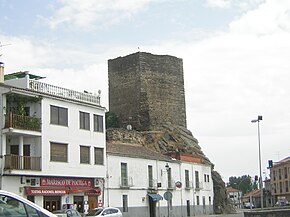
point(62, 182)
point(94, 192)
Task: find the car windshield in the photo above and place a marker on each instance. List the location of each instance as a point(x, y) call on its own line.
point(95, 212)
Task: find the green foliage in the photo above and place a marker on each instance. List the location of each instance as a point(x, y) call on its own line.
point(111, 120)
point(17, 102)
point(243, 183)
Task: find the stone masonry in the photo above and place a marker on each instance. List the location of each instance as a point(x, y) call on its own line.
point(146, 90)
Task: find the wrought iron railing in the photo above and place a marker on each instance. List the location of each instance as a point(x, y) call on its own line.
point(16, 162)
point(126, 182)
point(22, 122)
point(63, 92)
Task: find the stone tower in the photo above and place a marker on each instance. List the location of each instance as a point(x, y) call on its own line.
point(146, 90)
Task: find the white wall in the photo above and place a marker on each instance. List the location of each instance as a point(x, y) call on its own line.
point(74, 137)
point(138, 170)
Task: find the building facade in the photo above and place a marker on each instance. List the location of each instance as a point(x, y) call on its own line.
point(235, 196)
point(280, 181)
point(146, 90)
point(52, 143)
point(142, 182)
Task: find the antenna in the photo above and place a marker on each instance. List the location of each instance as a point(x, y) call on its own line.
point(3, 45)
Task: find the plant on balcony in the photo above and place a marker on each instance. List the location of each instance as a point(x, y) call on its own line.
point(16, 102)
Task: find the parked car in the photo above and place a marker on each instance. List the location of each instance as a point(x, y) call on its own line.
point(14, 205)
point(107, 212)
point(249, 206)
point(67, 213)
point(282, 202)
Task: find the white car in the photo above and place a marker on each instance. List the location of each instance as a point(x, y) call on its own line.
point(107, 212)
point(14, 205)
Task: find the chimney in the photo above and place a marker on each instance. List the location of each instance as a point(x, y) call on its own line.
point(1, 73)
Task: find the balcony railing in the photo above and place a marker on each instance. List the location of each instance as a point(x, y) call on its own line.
point(126, 182)
point(16, 162)
point(22, 122)
point(63, 92)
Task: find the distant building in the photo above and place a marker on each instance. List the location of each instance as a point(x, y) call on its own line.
point(52, 142)
point(235, 196)
point(146, 90)
point(138, 180)
point(280, 180)
point(253, 197)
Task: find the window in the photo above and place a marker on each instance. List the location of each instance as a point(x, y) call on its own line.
point(99, 156)
point(169, 184)
point(58, 115)
point(98, 123)
point(209, 200)
point(84, 121)
point(58, 152)
point(124, 178)
point(187, 179)
point(150, 176)
point(197, 200)
point(196, 179)
point(84, 154)
point(125, 203)
point(207, 178)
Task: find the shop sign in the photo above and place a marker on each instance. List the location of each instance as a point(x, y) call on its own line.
point(94, 192)
point(66, 182)
point(45, 191)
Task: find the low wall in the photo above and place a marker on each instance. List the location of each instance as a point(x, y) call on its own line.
point(268, 213)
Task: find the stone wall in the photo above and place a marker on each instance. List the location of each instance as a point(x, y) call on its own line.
point(268, 213)
point(147, 90)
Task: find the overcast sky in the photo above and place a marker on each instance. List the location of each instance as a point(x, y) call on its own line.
point(236, 56)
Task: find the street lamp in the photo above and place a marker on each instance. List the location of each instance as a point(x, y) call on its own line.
point(260, 166)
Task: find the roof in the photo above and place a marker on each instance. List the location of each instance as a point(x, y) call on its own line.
point(16, 75)
point(253, 193)
point(282, 162)
point(232, 190)
point(134, 150)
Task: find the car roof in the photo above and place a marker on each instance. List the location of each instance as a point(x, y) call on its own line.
point(39, 208)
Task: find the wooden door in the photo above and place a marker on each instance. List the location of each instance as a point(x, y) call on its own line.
point(93, 202)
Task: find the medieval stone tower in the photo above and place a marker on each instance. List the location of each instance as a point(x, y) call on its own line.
point(146, 90)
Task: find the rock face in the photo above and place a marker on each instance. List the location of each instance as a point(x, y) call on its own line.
point(173, 139)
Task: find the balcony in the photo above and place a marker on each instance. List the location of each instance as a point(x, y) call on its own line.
point(63, 92)
point(16, 162)
point(126, 182)
point(198, 186)
point(22, 122)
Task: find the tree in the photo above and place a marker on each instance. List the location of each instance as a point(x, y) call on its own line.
point(111, 120)
point(243, 183)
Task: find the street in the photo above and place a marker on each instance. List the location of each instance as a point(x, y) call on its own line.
point(239, 213)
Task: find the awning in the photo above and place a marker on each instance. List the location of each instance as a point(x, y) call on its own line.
point(155, 197)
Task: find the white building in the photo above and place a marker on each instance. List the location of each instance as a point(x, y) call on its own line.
point(235, 196)
point(140, 180)
point(52, 142)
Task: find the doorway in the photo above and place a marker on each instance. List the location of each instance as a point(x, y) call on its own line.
point(16, 160)
point(152, 207)
point(93, 202)
point(79, 203)
point(188, 207)
point(51, 203)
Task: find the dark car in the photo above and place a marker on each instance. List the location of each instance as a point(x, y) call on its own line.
point(67, 213)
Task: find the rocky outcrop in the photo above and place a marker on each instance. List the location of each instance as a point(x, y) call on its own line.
point(174, 139)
